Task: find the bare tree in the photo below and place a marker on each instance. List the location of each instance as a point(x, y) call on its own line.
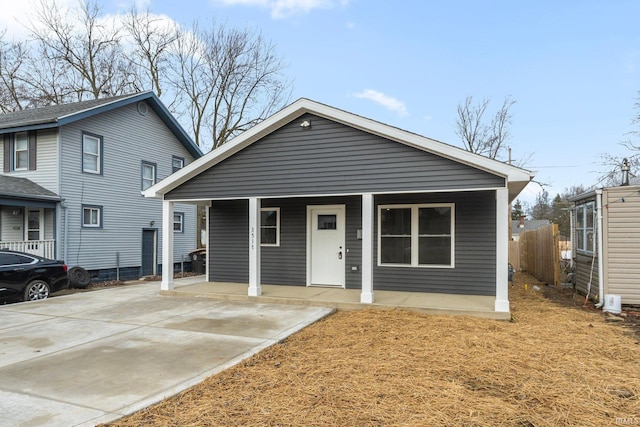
point(153, 38)
point(612, 164)
point(13, 90)
point(89, 48)
point(231, 79)
point(480, 137)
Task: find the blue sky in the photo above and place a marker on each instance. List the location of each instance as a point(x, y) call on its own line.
point(572, 66)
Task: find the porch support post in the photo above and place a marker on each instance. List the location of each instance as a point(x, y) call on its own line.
point(254, 247)
point(502, 250)
point(167, 245)
point(366, 297)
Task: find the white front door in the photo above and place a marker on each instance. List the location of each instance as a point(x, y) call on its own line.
point(326, 245)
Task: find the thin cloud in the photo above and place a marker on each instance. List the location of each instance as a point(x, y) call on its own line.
point(384, 100)
point(281, 9)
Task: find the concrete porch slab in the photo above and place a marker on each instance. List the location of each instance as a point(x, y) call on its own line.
point(345, 299)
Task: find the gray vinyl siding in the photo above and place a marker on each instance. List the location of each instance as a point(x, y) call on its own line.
point(46, 172)
point(280, 265)
point(12, 226)
point(475, 249)
point(475, 244)
point(128, 139)
point(587, 272)
point(229, 241)
point(329, 158)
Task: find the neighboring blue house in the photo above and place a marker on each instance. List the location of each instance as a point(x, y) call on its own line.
point(316, 196)
point(72, 179)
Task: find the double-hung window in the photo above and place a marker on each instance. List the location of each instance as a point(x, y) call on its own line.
point(177, 163)
point(91, 153)
point(21, 152)
point(91, 216)
point(584, 227)
point(270, 226)
point(416, 235)
point(178, 222)
point(148, 174)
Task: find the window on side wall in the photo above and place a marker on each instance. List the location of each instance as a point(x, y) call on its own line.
point(585, 220)
point(91, 216)
point(148, 174)
point(416, 235)
point(178, 222)
point(270, 227)
point(21, 151)
point(177, 163)
point(91, 153)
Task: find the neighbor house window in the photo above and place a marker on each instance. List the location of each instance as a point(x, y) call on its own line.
point(92, 216)
point(148, 175)
point(584, 227)
point(270, 227)
point(178, 222)
point(91, 153)
point(416, 235)
point(177, 163)
point(21, 152)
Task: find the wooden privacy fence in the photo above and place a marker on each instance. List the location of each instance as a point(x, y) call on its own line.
point(538, 253)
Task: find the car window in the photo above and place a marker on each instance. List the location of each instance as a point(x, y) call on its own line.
point(13, 259)
point(9, 259)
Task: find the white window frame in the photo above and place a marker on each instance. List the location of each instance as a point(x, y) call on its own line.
point(97, 155)
point(180, 221)
point(143, 180)
point(582, 233)
point(415, 236)
point(277, 227)
point(175, 159)
point(92, 208)
point(18, 138)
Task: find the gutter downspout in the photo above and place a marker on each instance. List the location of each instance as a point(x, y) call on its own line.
point(65, 244)
point(600, 250)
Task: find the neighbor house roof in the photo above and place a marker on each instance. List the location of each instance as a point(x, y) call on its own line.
point(517, 178)
point(59, 115)
point(531, 224)
point(22, 188)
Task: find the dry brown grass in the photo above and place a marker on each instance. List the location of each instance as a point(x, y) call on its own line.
point(551, 366)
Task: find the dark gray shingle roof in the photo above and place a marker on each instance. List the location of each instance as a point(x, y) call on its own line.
point(52, 113)
point(12, 186)
point(531, 224)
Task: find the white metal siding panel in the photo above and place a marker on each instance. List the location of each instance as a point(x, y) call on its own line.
point(623, 243)
point(49, 227)
point(11, 225)
point(128, 139)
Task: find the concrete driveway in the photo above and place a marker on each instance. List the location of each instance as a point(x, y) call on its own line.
point(91, 357)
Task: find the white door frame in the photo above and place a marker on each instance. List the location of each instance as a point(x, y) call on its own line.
point(341, 217)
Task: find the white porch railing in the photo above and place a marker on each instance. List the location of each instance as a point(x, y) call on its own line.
point(43, 248)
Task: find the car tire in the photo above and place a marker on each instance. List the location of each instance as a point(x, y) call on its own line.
point(36, 290)
point(79, 277)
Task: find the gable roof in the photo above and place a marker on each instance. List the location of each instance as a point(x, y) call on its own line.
point(517, 178)
point(59, 115)
point(531, 224)
point(15, 187)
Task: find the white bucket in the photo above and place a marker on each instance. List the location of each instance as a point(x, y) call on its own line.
point(612, 303)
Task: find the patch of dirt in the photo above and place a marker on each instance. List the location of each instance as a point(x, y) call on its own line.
point(551, 365)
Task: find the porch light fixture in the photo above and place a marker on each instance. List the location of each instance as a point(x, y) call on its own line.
point(16, 212)
point(306, 124)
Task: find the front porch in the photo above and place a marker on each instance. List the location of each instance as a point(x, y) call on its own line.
point(343, 299)
point(43, 248)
